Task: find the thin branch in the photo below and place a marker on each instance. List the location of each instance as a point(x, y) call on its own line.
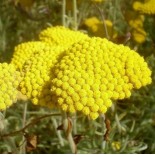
point(34, 121)
point(103, 18)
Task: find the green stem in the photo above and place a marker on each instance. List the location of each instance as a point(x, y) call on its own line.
point(58, 132)
point(67, 126)
point(115, 10)
point(71, 143)
point(22, 150)
point(2, 124)
point(75, 15)
point(75, 124)
point(64, 12)
point(118, 123)
point(103, 144)
point(103, 19)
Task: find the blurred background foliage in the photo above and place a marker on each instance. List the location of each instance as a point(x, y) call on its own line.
point(132, 121)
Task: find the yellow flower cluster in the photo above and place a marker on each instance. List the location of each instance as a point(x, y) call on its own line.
point(61, 36)
point(24, 51)
point(138, 32)
point(85, 75)
point(36, 83)
point(96, 27)
point(39, 58)
point(9, 80)
point(93, 73)
point(147, 7)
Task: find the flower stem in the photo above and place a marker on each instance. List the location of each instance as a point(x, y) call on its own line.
point(22, 149)
point(58, 132)
point(67, 126)
point(75, 27)
point(103, 19)
point(64, 12)
point(75, 124)
point(2, 124)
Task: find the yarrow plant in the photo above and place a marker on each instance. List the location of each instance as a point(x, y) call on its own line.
point(87, 77)
point(82, 75)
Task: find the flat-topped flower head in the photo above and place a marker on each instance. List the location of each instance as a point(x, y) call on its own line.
point(24, 51)
point(147, 7)
point(9, 81)
point(93, 73)
point(61, 36)
point(36, 81)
